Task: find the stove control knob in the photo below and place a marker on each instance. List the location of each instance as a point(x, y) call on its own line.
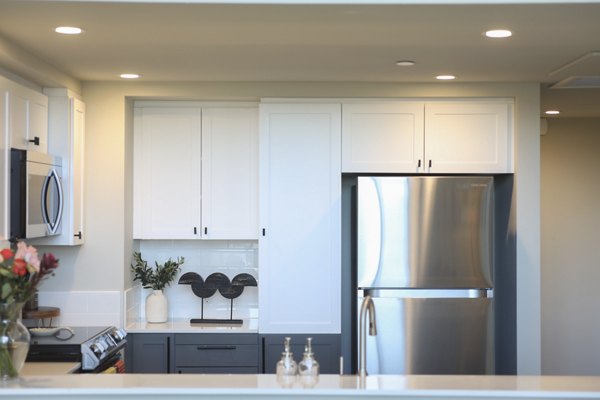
point(118, 334)
point(97, 349)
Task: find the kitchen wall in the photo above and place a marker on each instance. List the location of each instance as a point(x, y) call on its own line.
point(570, 198)
point(102, 263)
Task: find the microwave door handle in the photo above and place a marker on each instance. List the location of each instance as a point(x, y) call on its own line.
point(52, 225)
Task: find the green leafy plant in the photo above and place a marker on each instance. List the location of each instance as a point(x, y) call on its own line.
point(156, 278)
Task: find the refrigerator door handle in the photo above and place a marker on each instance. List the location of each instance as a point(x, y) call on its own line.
point(426, 293)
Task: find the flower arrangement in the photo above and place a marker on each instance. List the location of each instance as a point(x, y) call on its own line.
point(21, 271)
point(158, 278)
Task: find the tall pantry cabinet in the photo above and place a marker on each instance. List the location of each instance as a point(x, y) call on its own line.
point(300, 218)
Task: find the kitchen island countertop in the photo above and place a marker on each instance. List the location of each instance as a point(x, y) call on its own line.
point(136, 386)
point(183, 325)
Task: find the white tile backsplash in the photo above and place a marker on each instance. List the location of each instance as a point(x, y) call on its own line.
point(89, 308)
point(204, 258)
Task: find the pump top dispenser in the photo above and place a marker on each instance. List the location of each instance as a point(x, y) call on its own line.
point(287, 366)
point(308, 366)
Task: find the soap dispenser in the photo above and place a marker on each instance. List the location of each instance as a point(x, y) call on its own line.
point(308, 366)
point(287, 366)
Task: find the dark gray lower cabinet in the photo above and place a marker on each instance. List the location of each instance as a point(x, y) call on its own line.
point(229, 353)
point(327, 349)
point(214, 353)
point(149, 353)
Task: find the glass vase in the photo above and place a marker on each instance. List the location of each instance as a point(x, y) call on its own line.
point(14, 340)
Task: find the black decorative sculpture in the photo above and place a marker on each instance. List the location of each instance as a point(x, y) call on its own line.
point(217, 281)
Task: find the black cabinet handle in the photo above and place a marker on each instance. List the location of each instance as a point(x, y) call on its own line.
point(429, 163)
point(168, 354)
point(35, 140)
point(216, 347)
point(205, 230)
point(419, 164)
point(263, 232)
point(195, 231)
point(78, 235)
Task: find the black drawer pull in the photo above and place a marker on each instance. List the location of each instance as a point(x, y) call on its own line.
point(216, 347)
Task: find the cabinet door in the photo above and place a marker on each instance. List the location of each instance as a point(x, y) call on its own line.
point(300, 218)
point(149, 353)
point(76, 229)
point(382, 137)
point(465, 137)
point(230, 173)
point(37, 135)
point(28, 119)
point(326, 349)
point(167, 148)
point(18, 110)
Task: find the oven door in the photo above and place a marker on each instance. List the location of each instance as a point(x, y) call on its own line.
point(114, 364)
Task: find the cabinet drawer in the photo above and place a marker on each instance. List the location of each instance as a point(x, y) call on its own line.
point(216, 338)
point(216, 355)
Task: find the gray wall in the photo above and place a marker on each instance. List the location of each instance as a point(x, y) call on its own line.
point(570, 244)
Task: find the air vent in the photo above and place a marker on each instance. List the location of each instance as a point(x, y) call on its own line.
point(578, 82)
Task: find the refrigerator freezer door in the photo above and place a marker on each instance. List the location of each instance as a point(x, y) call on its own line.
point(425, 232)
point(432, 335)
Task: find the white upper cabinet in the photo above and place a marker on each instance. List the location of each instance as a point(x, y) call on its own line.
point(195, 171)
point(468, 137)
point(167, 195)
point(382, 137)
point(28, 119)
point(229, 173)
point(428, 137)
point(300, 218)
point(66, 138)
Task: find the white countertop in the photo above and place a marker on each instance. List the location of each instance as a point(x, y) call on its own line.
point(328, 386)
point(182, 325)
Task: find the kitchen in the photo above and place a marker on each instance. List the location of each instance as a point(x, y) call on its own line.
point(84, 274)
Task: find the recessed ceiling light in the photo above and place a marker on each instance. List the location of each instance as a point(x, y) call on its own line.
point(405, 63)
point(129, 76)
point(68, 30)
point(552, 112)
point(498, 33)
point(445, 77)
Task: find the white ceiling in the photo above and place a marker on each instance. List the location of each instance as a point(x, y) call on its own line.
point(312, 42)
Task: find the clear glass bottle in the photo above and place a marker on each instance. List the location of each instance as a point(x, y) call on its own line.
point(308, 366)
point(287, 366)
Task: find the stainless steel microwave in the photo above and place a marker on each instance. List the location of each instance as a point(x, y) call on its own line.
point(36, 194)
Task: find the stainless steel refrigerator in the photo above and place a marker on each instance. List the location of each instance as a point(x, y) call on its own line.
point(424, 253)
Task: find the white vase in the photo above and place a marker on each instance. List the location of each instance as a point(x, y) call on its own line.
point(157, 308)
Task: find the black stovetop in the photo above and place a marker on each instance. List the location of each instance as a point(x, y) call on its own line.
point(64, 338)
point(63, 346)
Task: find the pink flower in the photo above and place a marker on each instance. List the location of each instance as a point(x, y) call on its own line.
point(29, 254)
